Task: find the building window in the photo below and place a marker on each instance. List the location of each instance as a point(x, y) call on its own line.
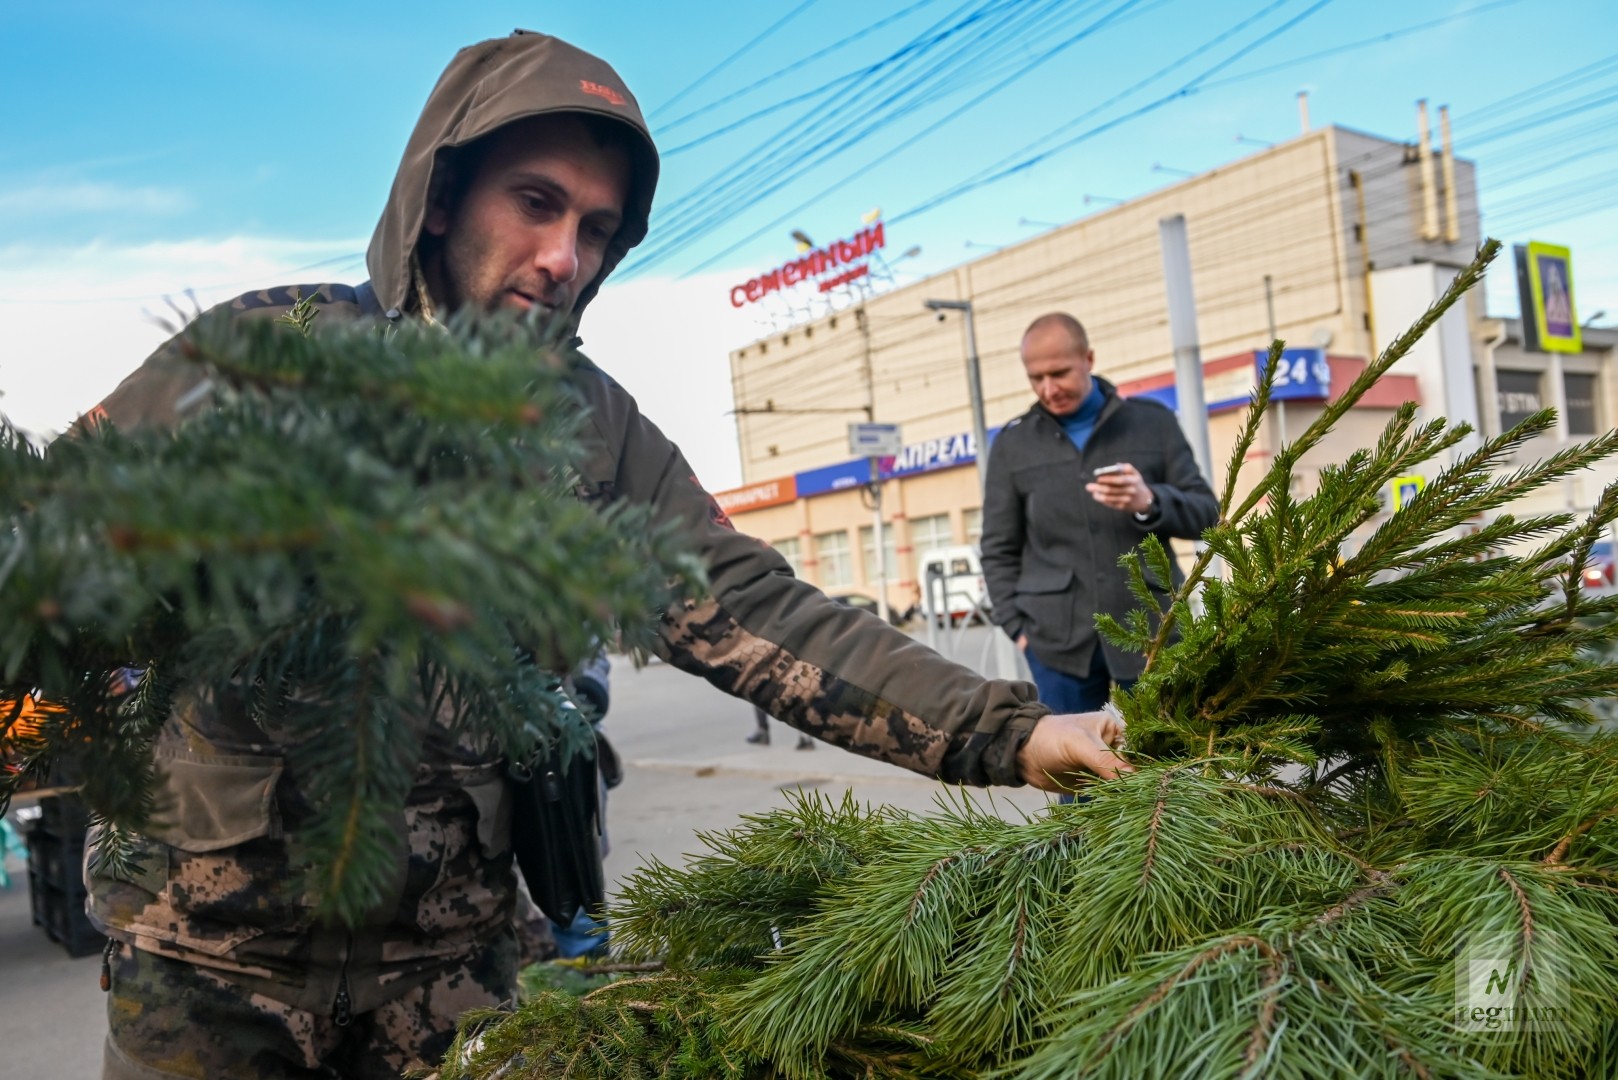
point(1583, 418)
point(927, 533)
point(1518, 396)
point(836, 563)
point(791, 552)
point(889, 551)
point(973, 520)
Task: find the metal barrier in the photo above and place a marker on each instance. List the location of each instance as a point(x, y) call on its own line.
point(998, 656)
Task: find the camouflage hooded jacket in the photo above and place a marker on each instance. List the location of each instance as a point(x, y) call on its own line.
point(211, 890)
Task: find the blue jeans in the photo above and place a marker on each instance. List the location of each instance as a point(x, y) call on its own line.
point(1066, 693)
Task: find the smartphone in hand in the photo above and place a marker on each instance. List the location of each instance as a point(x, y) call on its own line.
point(1108, 470)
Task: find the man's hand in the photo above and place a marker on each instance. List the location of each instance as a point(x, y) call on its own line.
point(1022, 642)
point(1122, 490)
point(1060, 746)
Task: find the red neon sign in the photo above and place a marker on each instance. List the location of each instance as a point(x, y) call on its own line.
point(812, 264)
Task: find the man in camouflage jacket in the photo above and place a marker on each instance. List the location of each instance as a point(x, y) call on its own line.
point(528, 177)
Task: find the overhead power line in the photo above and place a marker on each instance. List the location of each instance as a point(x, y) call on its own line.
point(782, 73)
point(1195, 86)
point(854, 118)
point(766, 154)
point(1379, 39)
point(1185, 90)
point(980, 177)
point(930, 128)
point(1270, 35)
point(1011, 165)
point(916, 46)
point(727, 61)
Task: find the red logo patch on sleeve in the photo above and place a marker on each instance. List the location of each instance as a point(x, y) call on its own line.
point(716, 513)
point(91, 420)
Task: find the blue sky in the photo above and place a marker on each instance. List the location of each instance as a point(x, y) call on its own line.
point(163, 146)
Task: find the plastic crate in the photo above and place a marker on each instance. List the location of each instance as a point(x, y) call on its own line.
point(39, 897)
point(63, 816)
point(61, 913)
point(58, 860)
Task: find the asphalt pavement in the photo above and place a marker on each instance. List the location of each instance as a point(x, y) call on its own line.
point(687, 770)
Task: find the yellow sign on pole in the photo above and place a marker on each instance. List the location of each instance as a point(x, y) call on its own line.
point(1401, 489)
point(1545, 289)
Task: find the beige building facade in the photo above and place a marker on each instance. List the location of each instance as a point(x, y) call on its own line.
point(1331, 241)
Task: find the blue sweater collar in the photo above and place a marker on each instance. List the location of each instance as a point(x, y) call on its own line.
point(1088, 410)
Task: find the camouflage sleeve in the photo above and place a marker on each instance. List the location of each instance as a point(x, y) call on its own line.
point(764, 636)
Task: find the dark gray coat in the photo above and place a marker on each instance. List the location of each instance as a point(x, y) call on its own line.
point(1050, 551)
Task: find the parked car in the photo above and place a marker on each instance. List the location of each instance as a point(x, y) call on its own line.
point(1599, 570)
point(955, 576)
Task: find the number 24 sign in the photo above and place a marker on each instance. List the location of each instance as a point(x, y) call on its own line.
point(1302, 374)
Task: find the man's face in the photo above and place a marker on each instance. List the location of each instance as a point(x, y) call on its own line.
point(532, 225)
point(1058, 368)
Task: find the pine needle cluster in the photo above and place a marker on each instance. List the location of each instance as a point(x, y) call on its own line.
point(351, 531)
point(1364, 760)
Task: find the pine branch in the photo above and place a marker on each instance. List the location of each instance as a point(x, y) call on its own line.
point(1345, 764)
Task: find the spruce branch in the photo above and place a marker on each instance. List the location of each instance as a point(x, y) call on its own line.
point(1277, 481)
point(349, 528)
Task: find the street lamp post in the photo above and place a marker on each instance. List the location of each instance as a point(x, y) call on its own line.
point(1006, 661)
point(974, 384)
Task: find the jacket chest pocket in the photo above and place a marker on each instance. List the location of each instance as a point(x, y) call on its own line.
point(207, 803)
point(211, 872)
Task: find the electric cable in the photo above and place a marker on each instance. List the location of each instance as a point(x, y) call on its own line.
point(929, 129)
point(766, 157)
point(781, 73)
point(1185, 90)
point(727, 61)
point(1378, 39)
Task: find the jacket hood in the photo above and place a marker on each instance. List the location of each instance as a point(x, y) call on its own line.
point(487, 86)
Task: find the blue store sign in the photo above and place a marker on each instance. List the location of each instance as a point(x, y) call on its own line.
point(1304, 374)
point(927, 456)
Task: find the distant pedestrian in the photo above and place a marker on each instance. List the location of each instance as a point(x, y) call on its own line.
point(761, 735)
point(1075, 482)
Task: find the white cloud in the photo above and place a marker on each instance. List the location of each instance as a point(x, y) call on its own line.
point(92, 197)
point(78, 319)
point(668, 342)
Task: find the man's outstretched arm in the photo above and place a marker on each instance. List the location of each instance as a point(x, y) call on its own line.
point(825, 668)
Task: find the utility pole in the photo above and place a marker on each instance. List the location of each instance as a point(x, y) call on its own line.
point(1183, 333)
point(1187, 353)
point(878, 535)
point(1280, 406)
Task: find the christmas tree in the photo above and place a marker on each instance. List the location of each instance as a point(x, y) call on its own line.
point(1372, 832)
point(354, 528)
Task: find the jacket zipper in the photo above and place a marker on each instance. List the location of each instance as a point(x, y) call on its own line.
point(342, 1009)
point(106, 964)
